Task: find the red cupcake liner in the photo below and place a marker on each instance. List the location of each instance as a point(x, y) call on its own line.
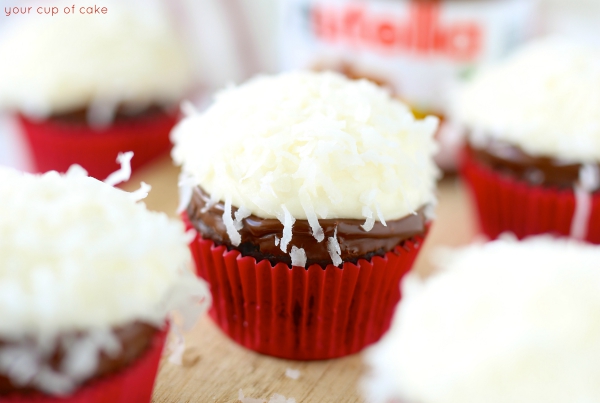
point(298, 313)
point(56, 145)
point(506, 204)
point(133, 384)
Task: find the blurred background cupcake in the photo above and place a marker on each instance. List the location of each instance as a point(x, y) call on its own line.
point(533, 155)
point(500, 322)
point(312, 194)
point(85, 87)
point(87, 280)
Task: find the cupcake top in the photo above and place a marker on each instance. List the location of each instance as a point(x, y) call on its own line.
point(309, 146)
point(502, 322)
point(544, 99)
point(125, 58)
point(76, 253)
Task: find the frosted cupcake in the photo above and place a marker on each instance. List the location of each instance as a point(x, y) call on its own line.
point(502, 322)
point(87, 279)
point(311, 194)
point(534, 147)
point(86, 87)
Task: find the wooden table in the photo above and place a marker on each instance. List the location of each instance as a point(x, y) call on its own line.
point(215, 368)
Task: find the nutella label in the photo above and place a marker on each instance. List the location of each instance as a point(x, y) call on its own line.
point(420, 49)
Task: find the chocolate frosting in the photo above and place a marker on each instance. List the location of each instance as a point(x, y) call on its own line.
point(513, 161)
point(135, 338)
point(79, 116)
point(258, 234)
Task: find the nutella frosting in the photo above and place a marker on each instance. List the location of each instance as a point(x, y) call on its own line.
point(134, 339)
point(259, 235)
point(513, 161)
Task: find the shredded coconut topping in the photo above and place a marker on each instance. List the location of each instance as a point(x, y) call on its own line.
point(589, 182)
point(544, 99)
point(370, 221)
point(333, 247)
point(240, 214)
point(77, 254)
point(292, 373)
point(128, 57)
point(298, 256)
point(302, 141)
point(232, 232)
point(502, 322)
point(288, 222)
point(123, 174)
point(186, 191)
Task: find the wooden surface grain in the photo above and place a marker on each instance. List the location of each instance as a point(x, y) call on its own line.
point(215, 369)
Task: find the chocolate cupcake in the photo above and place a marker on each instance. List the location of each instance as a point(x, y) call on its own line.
point(533, 158)
point(500, 322)
point(311, 194)
point(86, 87)
point(87, 279)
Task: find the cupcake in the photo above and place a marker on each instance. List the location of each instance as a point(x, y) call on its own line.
point(501, 322)
point(86, 87)
point(311, 195)
point(87, 279)
point(533, 155)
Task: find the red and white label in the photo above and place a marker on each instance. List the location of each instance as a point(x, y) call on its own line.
point(419, 48)
point(421, 31)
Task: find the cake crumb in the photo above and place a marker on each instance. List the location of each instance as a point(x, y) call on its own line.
point(292, 373)
point(190, 357)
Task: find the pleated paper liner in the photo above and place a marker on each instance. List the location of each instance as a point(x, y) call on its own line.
point(56, 145)
point(133, 384)
point(298, 313)
point(506, 204)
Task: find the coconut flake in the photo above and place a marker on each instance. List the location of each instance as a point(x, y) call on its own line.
point(288, 222)
point(186, 185)
point(277, 398)
point(188, 109)
point(298, 256)
point(589, 181)
point(241, 213)
point(380, 215)
point(292, 373)
point(81, 358)
point(244, 399)
point(124, 173)
point(333, 247)
point(177, 346)
point(76, 170)
point(141, 193)
point(210, 204)
point(277, 240)
point(234, 236)
point(190, 235)
point(370, 221)
point(311, 216)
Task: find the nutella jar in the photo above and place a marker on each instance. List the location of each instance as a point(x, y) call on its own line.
point(420, 49)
